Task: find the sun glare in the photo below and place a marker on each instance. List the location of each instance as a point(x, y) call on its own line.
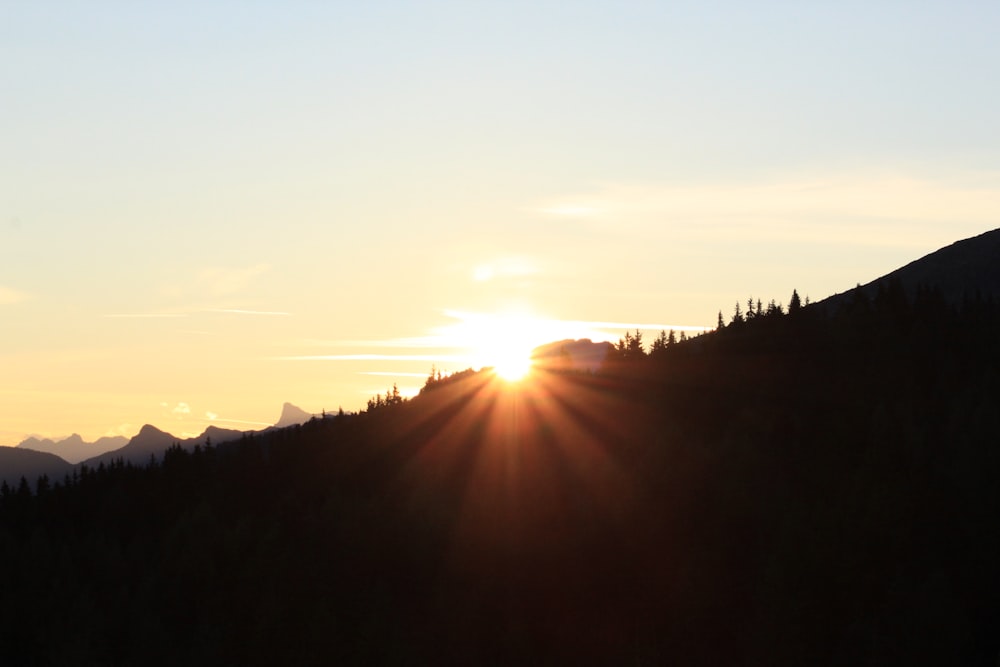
point(505, 341)
point(513, 365)
point(506, 345)
point(501, 341)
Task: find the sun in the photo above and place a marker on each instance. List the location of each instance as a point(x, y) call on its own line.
point(501, 341)
point(512, 365)
point(506, 346)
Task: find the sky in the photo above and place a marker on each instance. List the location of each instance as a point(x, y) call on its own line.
point(208, 209)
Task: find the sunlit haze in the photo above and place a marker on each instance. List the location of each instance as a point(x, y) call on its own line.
point(209, 209)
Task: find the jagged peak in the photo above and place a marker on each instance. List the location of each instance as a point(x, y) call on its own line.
point(292, 415)
point(150, 430)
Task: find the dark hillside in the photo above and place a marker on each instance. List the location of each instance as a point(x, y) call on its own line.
point(964, 270)
point(18, 462)
point(791, 489)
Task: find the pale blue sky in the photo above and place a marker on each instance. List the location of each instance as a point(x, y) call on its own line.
point(357, 171)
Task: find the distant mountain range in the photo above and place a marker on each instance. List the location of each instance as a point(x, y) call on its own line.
point(151, 441)
point(580, 355)
point(35, 457)
point(73, 449)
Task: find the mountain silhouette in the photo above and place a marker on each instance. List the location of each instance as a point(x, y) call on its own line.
point(579, 355)
point(151, 441)
point(74, 449)
point(18, 462)
point(966, 269)
point(292, 415)
point(37, 456)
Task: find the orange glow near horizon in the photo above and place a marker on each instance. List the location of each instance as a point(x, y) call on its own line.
point(521, 458)
point(513, 368)
point(501, 341)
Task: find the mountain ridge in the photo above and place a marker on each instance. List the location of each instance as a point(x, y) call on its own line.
point(581, 354)
point(151, 441)
point(74, 448)
point(18, 462)
point(292, 415)
point(966, 269)
point(35, 456)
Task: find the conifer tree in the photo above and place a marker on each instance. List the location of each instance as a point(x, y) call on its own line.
point(660, 344)
point(794, 304)
point(635, 349)
point(737, 315)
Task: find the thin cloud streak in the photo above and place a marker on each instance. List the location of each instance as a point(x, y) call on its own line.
point(505, 268)
point(472, 338)
point(880, 208)
point(139, 316)
point(557, 329)
point(219, 281)
point(221, 420)
point(221, 311)
point(470, 330)
point(572, 211)
point(636, 325)
point(406, 342)
point(239, 311)
point(374, 357)
point(9, 296)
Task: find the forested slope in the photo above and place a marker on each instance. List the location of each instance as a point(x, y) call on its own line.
point(795, 488)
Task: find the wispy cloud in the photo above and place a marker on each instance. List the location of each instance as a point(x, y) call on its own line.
point(179, 410)
point(10, 296)
point(572, 210)
point(469, 337)
point(219, 281)
point(124, 429)
point(156, 315)
point(863, 207)
point(151, 316)
point(471, 328)
point(239, 311)
point(394, 374)
point(373, 357)
point(505, 267)
point(411, 342)
point(622, 326)
point(213, 285)
point(183, 412)
point(222, 420)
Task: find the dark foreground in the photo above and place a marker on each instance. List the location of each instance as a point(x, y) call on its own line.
point(800, 489)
